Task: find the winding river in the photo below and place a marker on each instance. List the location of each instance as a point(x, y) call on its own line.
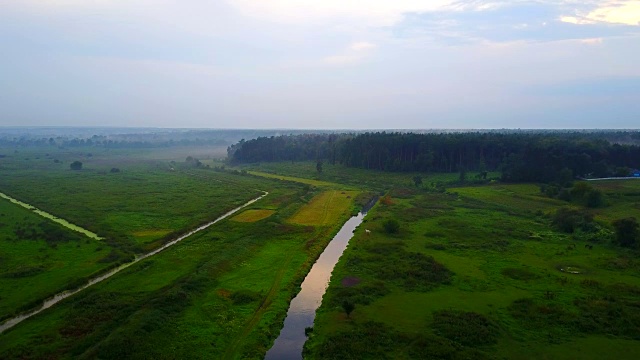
point(65, 294)
point(302, 310)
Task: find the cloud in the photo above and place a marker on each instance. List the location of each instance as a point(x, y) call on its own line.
point(516, 21)
point(362, 46)
point(354, 53)
point(624, 12)
point(592, 41)
point(617, 12)
point(369, 13)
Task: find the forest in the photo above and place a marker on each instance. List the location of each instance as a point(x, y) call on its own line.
point(520, 156)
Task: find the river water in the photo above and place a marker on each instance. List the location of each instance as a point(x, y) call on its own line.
point(65, 294)
point(302, 310)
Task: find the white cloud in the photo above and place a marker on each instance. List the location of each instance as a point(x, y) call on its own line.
point(625, 12)
point(362, 46)
point(592, 41)
point(369, 13)
point(354, 53)
point(617, 12)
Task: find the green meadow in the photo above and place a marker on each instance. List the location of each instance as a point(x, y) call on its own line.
point(142, 205)
point(39, 258)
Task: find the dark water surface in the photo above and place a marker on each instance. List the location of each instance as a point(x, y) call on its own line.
point(302, 310)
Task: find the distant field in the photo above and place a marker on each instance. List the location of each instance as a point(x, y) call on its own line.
point(325, 208)
point(253, 215)
point(142, 205)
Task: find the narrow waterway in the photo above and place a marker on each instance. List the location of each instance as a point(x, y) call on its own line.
point(65, 294)
point(53, 218)
point(302, 310)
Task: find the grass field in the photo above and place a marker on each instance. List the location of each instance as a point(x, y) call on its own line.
point(143, 204)
point(477, 273)
point(253, 215)
point(325, 209)
point(39, 258)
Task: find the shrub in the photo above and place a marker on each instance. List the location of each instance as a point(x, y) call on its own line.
point(391, 226)
point(76, 165)
point(465, 328)
point(627, 231)
point(242, 297)
point(569, 220)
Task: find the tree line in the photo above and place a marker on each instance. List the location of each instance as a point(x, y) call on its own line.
point(540, 157)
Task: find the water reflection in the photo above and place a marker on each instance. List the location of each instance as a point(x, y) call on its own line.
point(302, 310)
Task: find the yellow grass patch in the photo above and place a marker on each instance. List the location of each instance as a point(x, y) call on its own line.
point(325, 208)
point(252, 215)
point(291, 178)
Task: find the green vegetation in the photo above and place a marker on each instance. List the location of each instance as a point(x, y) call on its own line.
point(136, 209)
point(521, 156)
point(222, 291)
point(39, 258)
point(76, 165)
point(498, 271)
point(449, 265)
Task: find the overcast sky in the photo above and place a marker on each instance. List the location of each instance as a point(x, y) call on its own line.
point(321, 64)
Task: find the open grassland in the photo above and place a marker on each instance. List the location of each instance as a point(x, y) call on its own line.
point(220, 293)
point(253, 215)
point(480, 273)
point(141, 206)
point(39, 258)
point(325, 209)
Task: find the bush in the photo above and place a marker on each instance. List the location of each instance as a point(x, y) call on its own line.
point(391, 226)
point(626, 231)
point(569, 220)
point(242, 297)
point(76, 165)
point(595, 199)
point(465, 328)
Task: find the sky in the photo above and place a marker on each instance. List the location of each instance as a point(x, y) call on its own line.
point(327, 64)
